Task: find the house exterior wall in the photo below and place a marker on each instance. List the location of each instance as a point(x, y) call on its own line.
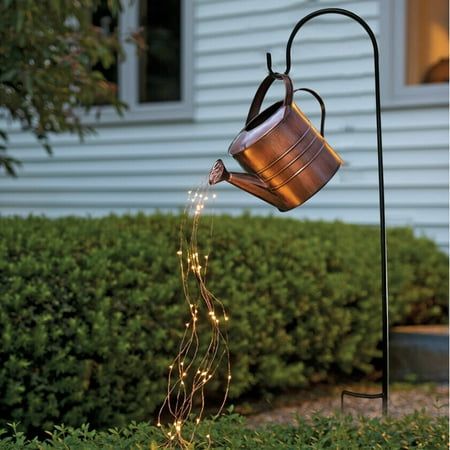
point(134, 167)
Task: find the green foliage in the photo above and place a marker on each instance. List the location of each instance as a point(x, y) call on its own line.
point(229, 432)
point(48, 49)
point(92, 310)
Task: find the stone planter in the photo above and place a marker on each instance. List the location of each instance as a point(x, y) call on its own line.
point(420, 353)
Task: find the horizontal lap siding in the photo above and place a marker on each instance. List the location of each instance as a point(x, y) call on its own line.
point(149, 167)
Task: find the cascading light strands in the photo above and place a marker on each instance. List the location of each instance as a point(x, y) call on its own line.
point(193, 368)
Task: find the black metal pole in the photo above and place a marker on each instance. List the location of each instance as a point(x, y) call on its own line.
point(383, 252)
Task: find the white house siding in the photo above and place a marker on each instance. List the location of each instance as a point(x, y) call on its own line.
point(144, 167)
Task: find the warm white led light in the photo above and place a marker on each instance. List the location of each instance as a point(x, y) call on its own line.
point(184, 392)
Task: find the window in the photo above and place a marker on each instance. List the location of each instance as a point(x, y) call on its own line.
point(426, 42)
point(160, 62)
point(156, 81)
point(102, 18)
point(414, 38)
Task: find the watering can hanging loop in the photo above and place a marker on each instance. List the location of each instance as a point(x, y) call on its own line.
point(285, 158)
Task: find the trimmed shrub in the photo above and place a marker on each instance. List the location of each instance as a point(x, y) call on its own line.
point(229, 432)
point(92, 311)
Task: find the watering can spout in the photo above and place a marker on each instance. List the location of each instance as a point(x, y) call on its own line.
point(247, 182)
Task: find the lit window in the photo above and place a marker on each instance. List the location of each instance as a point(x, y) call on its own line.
point(414, 39)
point(427, 42)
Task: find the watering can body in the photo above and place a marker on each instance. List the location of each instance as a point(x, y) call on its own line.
point(285, 158)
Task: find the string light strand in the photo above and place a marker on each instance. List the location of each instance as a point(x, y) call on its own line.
point(190, 370)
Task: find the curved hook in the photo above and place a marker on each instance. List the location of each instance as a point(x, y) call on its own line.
point(307, 18)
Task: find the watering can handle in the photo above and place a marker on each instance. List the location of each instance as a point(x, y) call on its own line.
point(262, 91)
point(322, 107)
point(264, 87)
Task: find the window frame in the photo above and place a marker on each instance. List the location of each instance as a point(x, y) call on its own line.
point(394, 90)
point(128, 76)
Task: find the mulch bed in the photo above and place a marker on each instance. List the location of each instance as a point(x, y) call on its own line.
point(404, 399)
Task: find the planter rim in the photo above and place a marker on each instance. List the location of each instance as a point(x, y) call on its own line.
point(422, 329)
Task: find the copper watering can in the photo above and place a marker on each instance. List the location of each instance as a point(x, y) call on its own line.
point(286, 159)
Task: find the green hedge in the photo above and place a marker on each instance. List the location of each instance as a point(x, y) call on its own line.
point(91, 310)
point(229, 433)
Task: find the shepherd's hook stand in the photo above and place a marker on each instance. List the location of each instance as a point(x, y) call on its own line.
point(384, 395)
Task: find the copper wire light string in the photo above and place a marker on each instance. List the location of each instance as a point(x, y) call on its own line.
point(190, 371)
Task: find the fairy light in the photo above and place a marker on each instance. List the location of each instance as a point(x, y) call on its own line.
point(195, 368)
